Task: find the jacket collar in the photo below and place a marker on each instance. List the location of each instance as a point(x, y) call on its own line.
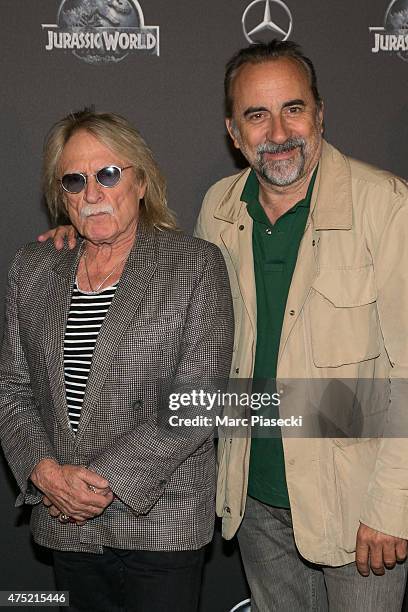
point(331, 204)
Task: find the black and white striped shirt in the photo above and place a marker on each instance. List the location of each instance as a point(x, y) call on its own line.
point(86, 315)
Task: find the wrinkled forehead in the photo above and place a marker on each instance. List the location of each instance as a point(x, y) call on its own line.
point(84, 150)
point(276, 79)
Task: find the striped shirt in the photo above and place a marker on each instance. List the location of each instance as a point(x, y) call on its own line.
point(86, 315)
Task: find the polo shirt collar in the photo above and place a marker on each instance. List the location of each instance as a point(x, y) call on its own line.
point(332, 189)
point(250, 195)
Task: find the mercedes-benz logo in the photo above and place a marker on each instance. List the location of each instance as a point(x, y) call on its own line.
point(283, 32)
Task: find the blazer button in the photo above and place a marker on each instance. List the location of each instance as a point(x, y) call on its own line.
point(291, 312)
point(227, 509)
point(241, 227)
point(236, 370)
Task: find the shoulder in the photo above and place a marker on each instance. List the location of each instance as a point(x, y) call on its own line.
point(379, 195)
point(227, 185)
point(39, 251)
point(181, 243)
point(364, 174)
point(371, 188)
point(33, 260)
point(365, 178)
point(222, 202)
point(178, 246)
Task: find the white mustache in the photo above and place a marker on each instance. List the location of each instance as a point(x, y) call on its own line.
point(89, 210)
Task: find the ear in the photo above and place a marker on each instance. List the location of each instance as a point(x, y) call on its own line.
point(232, 131)
point(142, 189)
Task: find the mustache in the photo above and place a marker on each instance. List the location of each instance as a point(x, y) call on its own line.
point(288, 145)
point(89, 210)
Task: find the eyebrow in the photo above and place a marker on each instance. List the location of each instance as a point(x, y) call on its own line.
point(258, 109)
point(296, 102)
point(254, 109)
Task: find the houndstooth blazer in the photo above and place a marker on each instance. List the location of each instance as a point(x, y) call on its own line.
point(169, 327)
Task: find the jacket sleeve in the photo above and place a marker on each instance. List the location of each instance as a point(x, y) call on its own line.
point(18, 407)
point(141, 462)
point(385, 506)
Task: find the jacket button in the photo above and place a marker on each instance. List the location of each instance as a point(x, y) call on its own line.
point(241, 227)
point(162, 482)
point(313, 242)
point(236, 370)
point(227, 509)
point(291, 312)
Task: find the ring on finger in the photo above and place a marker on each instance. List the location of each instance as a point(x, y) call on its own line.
point(64, 518)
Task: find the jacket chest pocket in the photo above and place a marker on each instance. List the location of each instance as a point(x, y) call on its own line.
point(343, 315)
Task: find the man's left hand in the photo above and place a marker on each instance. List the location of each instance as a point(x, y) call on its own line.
point(378, 551)
point(56, 512)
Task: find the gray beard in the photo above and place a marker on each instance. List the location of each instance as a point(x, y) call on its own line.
point(283, 172)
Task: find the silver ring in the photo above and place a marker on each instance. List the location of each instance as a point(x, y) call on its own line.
point(64, 518)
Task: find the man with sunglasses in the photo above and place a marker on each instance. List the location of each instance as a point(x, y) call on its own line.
point(96, 340)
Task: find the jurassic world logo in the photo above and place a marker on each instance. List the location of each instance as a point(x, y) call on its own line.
point(101, 31)
point(393, 36)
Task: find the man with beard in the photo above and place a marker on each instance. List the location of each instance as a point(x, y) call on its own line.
point(315, 244)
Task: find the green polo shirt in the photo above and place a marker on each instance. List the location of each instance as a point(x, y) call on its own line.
point(275, 248)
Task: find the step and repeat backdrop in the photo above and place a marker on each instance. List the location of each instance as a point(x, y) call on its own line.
point(161, 63)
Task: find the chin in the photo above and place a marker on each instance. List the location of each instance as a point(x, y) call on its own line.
point(98, 232)
point(100, 238)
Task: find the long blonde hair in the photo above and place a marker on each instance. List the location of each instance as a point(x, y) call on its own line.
point(116, 133)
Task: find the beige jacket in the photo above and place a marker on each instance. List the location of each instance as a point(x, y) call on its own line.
point(347, 318)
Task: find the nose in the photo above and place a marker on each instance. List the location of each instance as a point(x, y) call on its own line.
point(93, 190)
point(277, 130)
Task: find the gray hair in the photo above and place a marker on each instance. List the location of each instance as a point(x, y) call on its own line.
point(115, 132)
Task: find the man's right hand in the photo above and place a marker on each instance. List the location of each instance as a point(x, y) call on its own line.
point(58, 234)
point(73, 489)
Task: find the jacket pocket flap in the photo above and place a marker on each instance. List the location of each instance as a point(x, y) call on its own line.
point(347, 287)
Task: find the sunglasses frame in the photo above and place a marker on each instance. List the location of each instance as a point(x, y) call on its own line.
point(95, 174)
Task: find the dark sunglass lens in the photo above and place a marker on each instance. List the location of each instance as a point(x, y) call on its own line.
point(109, 176)
point(74, 183)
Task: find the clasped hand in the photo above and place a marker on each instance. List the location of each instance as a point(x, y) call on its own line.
point(73, 490)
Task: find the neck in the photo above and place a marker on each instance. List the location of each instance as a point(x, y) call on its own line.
point(104, 253)
point(276, 200)
point(102, 263)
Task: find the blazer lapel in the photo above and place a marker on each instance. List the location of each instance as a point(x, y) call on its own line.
point(57, 302)
point(134, 281)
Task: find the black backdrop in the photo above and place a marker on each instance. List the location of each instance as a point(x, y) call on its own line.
point(175, 99)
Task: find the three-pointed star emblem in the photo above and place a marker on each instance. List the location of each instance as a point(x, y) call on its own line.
point(280, 31)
